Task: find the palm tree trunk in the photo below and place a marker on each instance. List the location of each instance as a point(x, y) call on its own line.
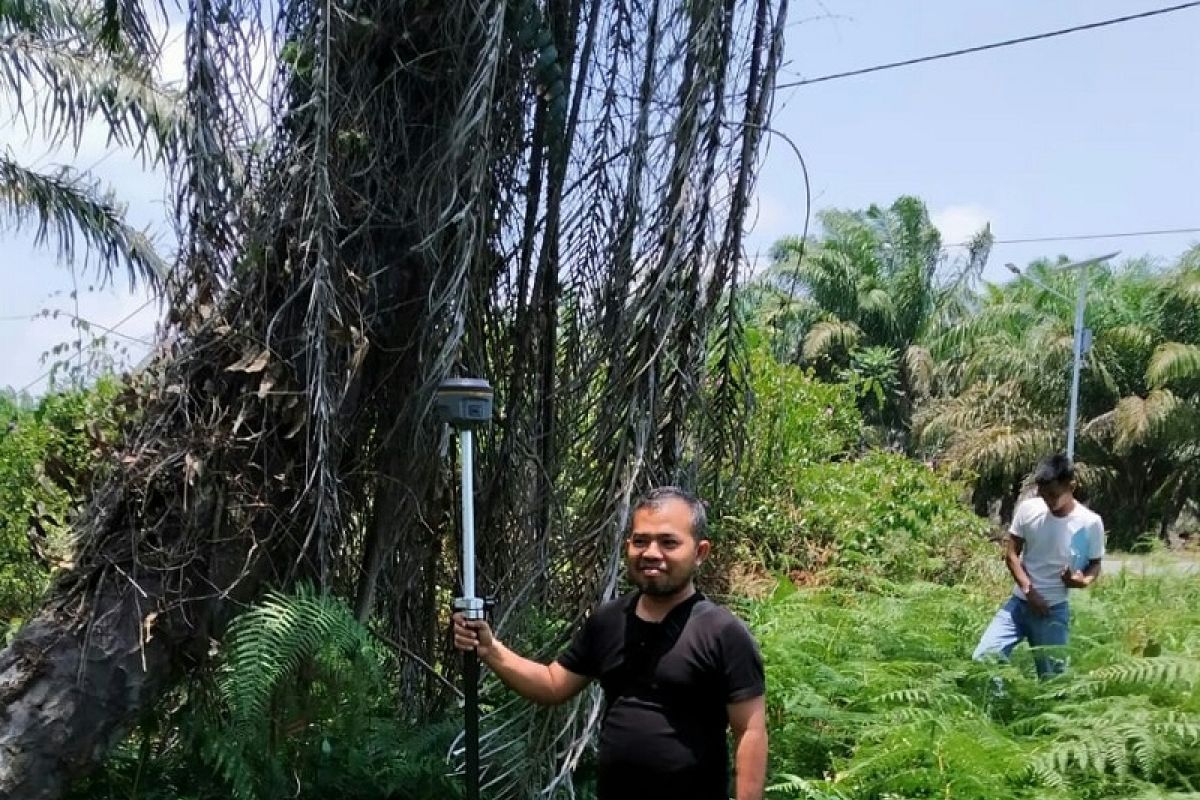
point(69, 693)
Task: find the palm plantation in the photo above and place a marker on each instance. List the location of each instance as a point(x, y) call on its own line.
point(860, 302)
point(525, 191)
point(981, 375)
point(1005, 377)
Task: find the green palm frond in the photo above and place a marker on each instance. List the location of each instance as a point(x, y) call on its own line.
point(1130, 337)
point(1102, 426)
point(831, 277)
point(785, 252)
point(59, 87)
point(830, 336)
point(1002, 449)
point(1172, 362)
point(998, 318)
point(878, 304)
point(980, 405)
point(1186, 283)
point(83, 223)
point(1138, 420)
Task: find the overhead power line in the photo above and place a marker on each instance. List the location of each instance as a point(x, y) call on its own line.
point(758, 256)
point(90, 323)
point(112, 330)
point(1088, 236)
point(993, 46)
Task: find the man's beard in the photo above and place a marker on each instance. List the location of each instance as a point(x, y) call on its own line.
point(663, 585)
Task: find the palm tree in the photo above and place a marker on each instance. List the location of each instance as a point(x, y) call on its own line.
point(858, 302)
point(1003, 380)
point(62, 66)
point(531, 191)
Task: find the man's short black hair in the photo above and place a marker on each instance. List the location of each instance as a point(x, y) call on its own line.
point(662, 494)
point(1054, 469)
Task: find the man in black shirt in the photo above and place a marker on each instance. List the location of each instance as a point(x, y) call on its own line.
point(677, 670)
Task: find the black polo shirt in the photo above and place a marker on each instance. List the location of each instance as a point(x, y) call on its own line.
point(666, 686)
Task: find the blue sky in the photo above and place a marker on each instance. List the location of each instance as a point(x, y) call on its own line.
point(1095, 132)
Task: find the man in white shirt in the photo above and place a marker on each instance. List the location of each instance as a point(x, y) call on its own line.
point(1055, 544)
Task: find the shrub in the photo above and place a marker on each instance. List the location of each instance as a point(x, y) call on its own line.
point(50, 454)
point(882, 516)
point(301, 707)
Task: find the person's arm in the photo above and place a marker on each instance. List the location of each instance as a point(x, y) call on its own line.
point(1085, 578)
point(748, 720)
point(1012, 558)
point(1082, 579)
point(544, 684)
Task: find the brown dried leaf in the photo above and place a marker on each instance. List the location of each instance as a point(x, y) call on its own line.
point(147, 625)
point(260, 363)
point(250, 362)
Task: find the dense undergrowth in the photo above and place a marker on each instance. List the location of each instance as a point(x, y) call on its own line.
point(864, 575)
point(873, 695)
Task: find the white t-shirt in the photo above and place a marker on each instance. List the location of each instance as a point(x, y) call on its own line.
point(1052, 543)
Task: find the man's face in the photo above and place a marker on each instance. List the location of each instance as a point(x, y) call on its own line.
point(660, 553)
point(1057, 495)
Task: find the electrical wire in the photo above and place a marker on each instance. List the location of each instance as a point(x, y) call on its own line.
point(112, 330)
point(992, 46)
point(1088, 236)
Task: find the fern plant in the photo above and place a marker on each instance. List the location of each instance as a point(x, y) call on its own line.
point(301, 705)
point(873, 694)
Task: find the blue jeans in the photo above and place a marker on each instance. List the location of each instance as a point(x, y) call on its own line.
point(1016, 621)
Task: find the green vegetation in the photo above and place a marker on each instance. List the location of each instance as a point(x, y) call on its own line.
point(301, 706)
point(810, 503)
point(1005, 373)
point(859, 302)
point(977, 378)
point(865, 572)
point(874, 695)
point(51, 453)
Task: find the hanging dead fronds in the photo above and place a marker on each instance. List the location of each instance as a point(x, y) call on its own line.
point(549, 194)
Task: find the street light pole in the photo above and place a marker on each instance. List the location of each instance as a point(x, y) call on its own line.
point(1073, 414)
point(1077, 357)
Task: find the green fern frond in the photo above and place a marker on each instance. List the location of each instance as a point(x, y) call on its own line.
point(797, 788)
point(1143, 673)
point(266, 649)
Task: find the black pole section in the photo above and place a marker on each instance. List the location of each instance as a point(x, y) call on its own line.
point(471, 703)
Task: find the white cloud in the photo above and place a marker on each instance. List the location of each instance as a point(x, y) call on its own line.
point(959, 223)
